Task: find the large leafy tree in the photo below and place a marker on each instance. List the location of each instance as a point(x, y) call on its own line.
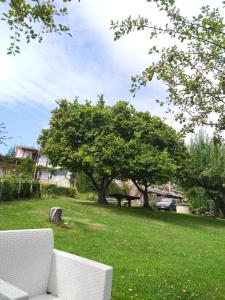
point(196, 52)
point(156, 154)
point(206, 168)
point(32, 19)
point(112, 142)
point(81, 138)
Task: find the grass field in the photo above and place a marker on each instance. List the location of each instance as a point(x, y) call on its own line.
point(154, 255)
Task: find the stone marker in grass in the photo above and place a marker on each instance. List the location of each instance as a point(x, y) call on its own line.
point(55, 215)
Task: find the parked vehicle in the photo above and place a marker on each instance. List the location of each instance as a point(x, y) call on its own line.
point(167, 204)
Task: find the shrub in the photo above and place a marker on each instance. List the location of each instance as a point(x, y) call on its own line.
point(87, 196)
point(12, 188)
point(53, 189)
point(8, 191)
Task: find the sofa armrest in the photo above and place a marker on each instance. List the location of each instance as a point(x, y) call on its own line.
point(73, 277)
point(10, 292)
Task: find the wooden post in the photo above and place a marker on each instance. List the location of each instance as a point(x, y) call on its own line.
point(31, 188)
point(19, 188)
point(119, 202)
point(129, 203)
point(55, 215)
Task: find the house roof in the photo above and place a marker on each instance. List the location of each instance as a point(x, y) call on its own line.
point(27, 148)
point(165, 193)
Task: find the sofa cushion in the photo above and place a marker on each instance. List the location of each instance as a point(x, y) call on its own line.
point(25, 258)
point(45, 297)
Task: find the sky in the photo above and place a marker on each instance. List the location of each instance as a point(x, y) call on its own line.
point(88, 64)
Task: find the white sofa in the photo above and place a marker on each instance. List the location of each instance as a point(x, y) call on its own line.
point(31, 269)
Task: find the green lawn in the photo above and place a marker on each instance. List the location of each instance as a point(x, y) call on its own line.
point(154, 255)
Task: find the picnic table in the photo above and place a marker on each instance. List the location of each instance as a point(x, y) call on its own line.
point(119, 198)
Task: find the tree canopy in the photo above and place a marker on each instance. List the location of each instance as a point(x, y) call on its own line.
point(196, 52)
point(206, 168)
point(81, 138)
point(111, 142)
point(32, 19)
point(156, 154)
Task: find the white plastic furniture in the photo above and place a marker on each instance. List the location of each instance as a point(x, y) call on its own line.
point(31, 269)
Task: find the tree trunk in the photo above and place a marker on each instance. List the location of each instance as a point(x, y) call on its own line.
point(146, 198)
point(102, 197)
point(144, 192)
point(19, 188)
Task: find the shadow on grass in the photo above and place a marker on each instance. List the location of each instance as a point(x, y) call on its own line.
point(185, 220)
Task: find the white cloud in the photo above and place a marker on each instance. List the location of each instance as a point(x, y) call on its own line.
point(88, 64)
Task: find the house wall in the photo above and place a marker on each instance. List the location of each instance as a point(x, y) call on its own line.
point(59, 180)
point(43, 161)
point(19, 153)
point(23, 153)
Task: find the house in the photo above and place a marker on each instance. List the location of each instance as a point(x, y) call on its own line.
point(23, 152)
point(157, 194)
point(49, 175)
point(44, 171)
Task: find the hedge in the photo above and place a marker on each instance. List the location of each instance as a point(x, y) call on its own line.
point(53, 189)
point(11, 189)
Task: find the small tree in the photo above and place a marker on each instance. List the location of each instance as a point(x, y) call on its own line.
point(206, 168)
point(26, 168)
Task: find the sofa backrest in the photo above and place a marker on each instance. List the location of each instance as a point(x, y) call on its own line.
point(25, 259)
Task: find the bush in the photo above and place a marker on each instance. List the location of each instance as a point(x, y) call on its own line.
point(8, 191)
point(11, 189)
point(87, 196)
point(53, 189)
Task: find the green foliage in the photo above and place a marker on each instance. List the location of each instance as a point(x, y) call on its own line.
point(206, 168)
point(91, 196)
point(88, 138)
point(26, 168)
point(200, 198)
point(114, 188)
point(196, 52)
point(106, 143)
point(53, 189)
point(83, 183)
point(8, 191)
point(156, 154)
point(32, 19)
point(14, 189)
